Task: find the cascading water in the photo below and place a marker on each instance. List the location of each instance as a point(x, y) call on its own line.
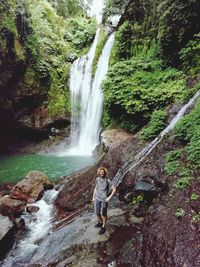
point(146, 150)
point(38, 227)
point(87, 99)
point(94, 8)
point(80, 88)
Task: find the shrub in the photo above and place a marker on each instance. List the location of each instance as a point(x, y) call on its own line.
point(188, 132)
point(173, 155)
point(100, 44)
point(138, 199)
point(194, 196)
point(180, 213)
point(190, 56)
point(136, 87)
point(157, 124)
point(178, 22)
point(182, 182)
point(7, 17)
point(171, 167)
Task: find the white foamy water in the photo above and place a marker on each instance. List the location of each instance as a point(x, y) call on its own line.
point(94, 8)
point(38, 225)
point(147, 150)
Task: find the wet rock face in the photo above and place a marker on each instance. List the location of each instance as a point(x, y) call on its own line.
point(32, 187)
point(6, 235)
point(79, 244)
point(76, 189)
point(5, 226)
point(23, 112)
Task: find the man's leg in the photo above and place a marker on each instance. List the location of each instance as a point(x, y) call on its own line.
point(99, 218)
point(103, 217)
point(97, 208)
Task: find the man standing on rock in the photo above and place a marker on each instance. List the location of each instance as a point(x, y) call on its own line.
point(101, 197)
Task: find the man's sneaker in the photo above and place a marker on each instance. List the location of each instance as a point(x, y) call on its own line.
point(98, 225)
point(102, 231)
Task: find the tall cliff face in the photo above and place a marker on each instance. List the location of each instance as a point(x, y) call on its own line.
point(37, 47)
point(14, 93)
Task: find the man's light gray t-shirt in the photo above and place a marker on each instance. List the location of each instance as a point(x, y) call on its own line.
point(102, 188)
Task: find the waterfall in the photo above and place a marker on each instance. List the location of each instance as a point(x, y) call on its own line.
point(94, 8)
point(80, 89)
point(87, 99)
point(38, 225)
point(132, 163)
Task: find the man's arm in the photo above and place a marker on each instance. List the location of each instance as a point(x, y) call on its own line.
point(112, 193)
point(94, 194)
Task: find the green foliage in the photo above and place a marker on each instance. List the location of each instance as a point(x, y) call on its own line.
point(7, 17)
point(194, 196)
point(180, 213)
point(157, 124)
point(188, 132)
point(80, 32)
point(178, 21)
point(167, 23)
point(171, 167)
point(100, 44)
point(190, 56)
point(190, 93)
point(123, 42)
point(130, 41)
point(149, 38)
point(182, 182)
point(57, 103)
point(52, 49)
point(171, 161)
point(138, 199)
point(136, 87)
point(173, 155)
point(69, 8)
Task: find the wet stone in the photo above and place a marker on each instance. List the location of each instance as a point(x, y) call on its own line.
point(31, 209)
point(19, 222)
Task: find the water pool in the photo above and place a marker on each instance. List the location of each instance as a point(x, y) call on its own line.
point(14, 168)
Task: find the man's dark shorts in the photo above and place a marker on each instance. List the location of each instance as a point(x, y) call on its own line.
point(100, 208)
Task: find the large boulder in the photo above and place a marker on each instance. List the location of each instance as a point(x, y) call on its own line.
point(32, 187)
point(76, 189)
point(11, 207)
point(5, 189)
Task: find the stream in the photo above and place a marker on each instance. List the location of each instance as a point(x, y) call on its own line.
point(38, 225)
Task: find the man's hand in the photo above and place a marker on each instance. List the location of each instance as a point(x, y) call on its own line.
point(113, 191)
point(107, 199)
